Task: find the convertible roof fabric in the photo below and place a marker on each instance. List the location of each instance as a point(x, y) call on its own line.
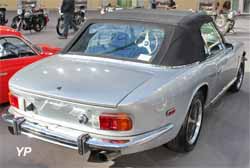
point(185, 45)
point(171, 17)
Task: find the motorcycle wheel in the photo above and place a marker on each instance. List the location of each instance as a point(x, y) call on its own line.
point(15, 20)
point(78, 19)
point(37, 27)
point(42, 21)
point(60, 26)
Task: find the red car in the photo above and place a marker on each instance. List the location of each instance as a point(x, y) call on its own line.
point(17, 52)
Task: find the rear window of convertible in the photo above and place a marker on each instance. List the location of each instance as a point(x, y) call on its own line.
point(138, 42)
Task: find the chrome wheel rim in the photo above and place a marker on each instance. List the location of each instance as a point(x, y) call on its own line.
point(239, 78)
point(194, 122)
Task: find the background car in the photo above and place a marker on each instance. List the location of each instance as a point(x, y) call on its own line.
point(15, 53)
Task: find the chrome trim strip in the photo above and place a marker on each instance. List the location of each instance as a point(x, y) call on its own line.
point(221, 93)
point(139, 140)
point(49, 141)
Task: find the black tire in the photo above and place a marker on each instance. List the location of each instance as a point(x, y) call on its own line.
point(60, 26)
point(37, 27)
point(182, 143)
point(239, 81)
point(42, 21)
point(78, 19)
point(15, 20)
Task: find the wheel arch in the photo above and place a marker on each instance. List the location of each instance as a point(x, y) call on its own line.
point(201, 87)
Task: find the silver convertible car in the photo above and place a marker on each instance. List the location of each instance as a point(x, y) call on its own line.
point(129, 81)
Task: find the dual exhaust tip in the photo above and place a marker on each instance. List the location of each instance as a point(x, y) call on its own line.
point(96, 156)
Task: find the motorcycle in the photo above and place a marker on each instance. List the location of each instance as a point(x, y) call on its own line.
point(3, 20)
point(226, 21)
point(43, 16)
point(109, 9)
point(30, 19)
point(78, 20)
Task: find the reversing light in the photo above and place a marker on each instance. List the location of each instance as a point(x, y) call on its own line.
point(13, 100)
point(115, 122)
point(115, 141)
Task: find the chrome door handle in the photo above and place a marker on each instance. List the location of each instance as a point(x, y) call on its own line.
point(3, 74)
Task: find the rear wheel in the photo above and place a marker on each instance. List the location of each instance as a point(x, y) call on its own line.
point(37, 27)
point(15, 22)
point(190, 130)
point(60, 27)
point(78, 19)
point(42, 21)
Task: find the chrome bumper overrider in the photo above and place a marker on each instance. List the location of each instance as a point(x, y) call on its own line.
point(82, 141)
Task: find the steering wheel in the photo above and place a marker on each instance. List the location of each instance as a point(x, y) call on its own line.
point(11, 48)
point(146, 43)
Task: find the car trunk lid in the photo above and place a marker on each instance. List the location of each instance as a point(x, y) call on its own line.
point(79, 80)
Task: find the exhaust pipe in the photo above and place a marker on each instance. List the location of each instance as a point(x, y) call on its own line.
point(103, 156)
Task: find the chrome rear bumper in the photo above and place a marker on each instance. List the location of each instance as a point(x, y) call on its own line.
point(84, 142)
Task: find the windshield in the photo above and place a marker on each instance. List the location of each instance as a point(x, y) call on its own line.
point(137, 42)
point(37, 48)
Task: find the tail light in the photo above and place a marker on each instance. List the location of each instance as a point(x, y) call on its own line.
point(115, 122)
point(13, 100)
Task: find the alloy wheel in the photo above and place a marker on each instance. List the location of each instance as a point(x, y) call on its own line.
point(194, 122)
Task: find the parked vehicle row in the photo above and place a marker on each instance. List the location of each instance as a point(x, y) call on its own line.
point(30, 19)
point(127, 83)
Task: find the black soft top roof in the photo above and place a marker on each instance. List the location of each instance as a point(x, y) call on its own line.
point(185, 45)
point(169, 17)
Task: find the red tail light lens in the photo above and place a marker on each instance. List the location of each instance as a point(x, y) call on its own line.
point(115, 122)
point(13, 100)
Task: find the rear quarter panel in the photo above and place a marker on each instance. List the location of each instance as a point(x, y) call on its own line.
point(149, 103)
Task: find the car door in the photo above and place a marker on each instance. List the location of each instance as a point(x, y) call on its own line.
point(216, 52)
point(230, 67)
point(14, 55)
